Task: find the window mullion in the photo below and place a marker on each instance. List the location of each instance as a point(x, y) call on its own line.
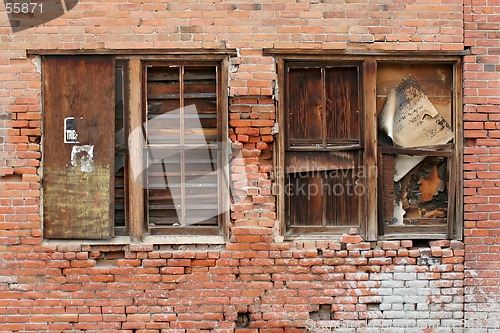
point(182, 142)
point(324, 134)
point(370, 147)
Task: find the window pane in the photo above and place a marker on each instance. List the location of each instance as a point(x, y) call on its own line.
point(163, 89)
point(201, 180)
point(183, 151)
point(342, 197)
point(323, 198)
point(304, 106)
point(421, 196)
point(165, 187)
point(305, 198)
point(200, 99)
point(342, 104)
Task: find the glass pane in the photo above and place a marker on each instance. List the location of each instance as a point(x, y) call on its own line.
point(201, 182)
point(165, 187)
point(163, 103)
point(200, 101)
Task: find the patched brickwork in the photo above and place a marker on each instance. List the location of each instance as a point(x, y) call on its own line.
point(255, 282)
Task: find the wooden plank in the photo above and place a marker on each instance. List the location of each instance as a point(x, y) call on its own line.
point(342, 109)
point(370, 152)
point(387, 194)
point(301, 53)
point(195, 53)
point(136, 183)
point(438, 150)
point(311, 161)
point(425, 230)
point(304, 106)
point(456, 216)
point(342, 201)
point(78, 187)
point(279, 151)
point(305, 194)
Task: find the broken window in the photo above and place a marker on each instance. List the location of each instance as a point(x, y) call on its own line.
point(385, 126)
point(154, 166)
point(417, 116)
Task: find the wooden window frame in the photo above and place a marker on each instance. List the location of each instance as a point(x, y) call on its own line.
point(371, 226)
point(137, 220)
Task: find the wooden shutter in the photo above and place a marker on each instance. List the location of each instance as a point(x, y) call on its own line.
point(323, 151)
point(78, 186)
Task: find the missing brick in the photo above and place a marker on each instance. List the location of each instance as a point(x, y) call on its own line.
point(375, 306)
point(243, 320)
point(110, 258)
point(324, 313)
point(428, 261)
point(15, 178)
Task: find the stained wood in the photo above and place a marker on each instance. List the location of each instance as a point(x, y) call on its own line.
point(370, 152)
point(136, 182)
point(387, 193)
point(78, 204)
point(455, 210)
point(311, 161)
point(304, 106)
point(342, 109)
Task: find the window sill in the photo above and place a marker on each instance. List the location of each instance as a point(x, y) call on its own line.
point(154, 240)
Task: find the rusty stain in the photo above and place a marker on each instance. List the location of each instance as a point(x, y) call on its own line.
point(89, 193)
point(429, 186)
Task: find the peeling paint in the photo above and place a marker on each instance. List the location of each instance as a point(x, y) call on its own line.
point(87, 157)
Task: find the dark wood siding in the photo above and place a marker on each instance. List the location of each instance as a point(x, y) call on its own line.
point(342, 107)
point(78, 199)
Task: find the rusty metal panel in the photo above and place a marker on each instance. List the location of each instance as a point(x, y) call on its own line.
point(78, 146)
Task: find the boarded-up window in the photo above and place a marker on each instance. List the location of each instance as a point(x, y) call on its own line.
point(417, 108)
point(323, 151)
point(134, 147)
point(78, 115)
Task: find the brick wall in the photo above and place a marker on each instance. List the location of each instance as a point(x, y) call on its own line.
point(481, 114)
point(254, 283)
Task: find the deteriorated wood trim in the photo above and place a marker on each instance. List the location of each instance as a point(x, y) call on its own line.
point(139, 52)
point(280, 154)
point(136, 201)
point(458, 217)
point(370, 151)
point(223, 124)
point(307, 52)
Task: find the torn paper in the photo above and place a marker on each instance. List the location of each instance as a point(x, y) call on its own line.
point(410, 120)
